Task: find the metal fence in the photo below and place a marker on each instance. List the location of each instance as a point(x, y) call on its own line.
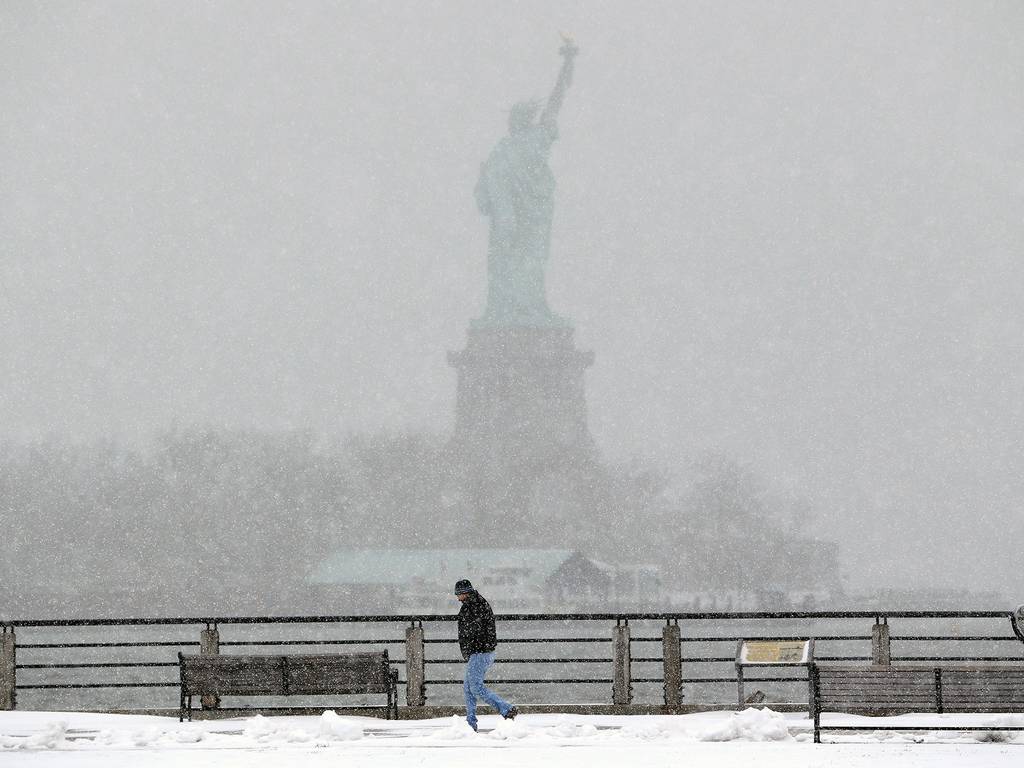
point(667, 662)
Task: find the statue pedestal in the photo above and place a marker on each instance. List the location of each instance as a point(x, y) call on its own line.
point(520, 416)
point(520, 392)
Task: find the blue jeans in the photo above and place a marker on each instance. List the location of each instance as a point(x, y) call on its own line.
point(474, 688)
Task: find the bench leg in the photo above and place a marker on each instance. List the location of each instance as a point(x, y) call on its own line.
point(815, 703)
point(392, 710)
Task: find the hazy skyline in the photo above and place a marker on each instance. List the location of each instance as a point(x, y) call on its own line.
point(792, 233)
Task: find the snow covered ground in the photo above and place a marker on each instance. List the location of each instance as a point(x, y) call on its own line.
point(753, 737)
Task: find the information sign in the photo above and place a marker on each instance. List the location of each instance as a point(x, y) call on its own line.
point(775, 652)
point(771, 653)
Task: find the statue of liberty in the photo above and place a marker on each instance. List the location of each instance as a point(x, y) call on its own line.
point(516, 191)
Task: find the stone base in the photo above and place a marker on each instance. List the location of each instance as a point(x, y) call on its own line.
point(520, 391)
point(521, 436)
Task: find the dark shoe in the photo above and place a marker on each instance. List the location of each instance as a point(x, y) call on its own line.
point(511, 714)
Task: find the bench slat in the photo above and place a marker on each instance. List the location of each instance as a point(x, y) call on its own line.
point(880, 685)
point(833, 693)
point(930, 699)
point(874, 708)
point(987, 700)
point(232, 675)
point(357, 673)
point(874, 675)
point(877, 681)
point(981, 690)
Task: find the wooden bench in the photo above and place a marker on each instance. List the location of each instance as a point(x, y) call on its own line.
point(295, 675)
point(879, 690)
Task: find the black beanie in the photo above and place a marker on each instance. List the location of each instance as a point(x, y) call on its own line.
point(463, 587)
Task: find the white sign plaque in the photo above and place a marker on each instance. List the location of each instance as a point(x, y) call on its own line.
point(775, 652)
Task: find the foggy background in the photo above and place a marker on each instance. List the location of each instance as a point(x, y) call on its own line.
point(790, 232)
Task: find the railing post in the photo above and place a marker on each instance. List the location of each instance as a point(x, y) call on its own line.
point(209, 645)
point(8, 680)
point(622, 690)
point(673, 664)
point(881, 653)
point(415, 677)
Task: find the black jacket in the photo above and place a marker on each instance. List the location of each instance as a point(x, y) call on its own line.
point(476, 626)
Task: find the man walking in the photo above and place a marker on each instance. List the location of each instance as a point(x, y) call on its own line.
point(477, 640)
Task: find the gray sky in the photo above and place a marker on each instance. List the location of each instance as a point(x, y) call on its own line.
point(789, 231)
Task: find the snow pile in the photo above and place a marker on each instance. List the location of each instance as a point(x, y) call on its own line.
point(456, 729)
point(50, 737)
point(333, 727)
point(512, 731)
point(749, 725)
point(567, 728)
point(143, 738)
point(647, 730)
point(146, 737)
point(262, 730)
point(108, 738)
point(187, 736)
point(1002, 721)
point(259, 729)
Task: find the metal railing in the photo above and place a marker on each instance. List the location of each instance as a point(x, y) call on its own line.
point(563, 661)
